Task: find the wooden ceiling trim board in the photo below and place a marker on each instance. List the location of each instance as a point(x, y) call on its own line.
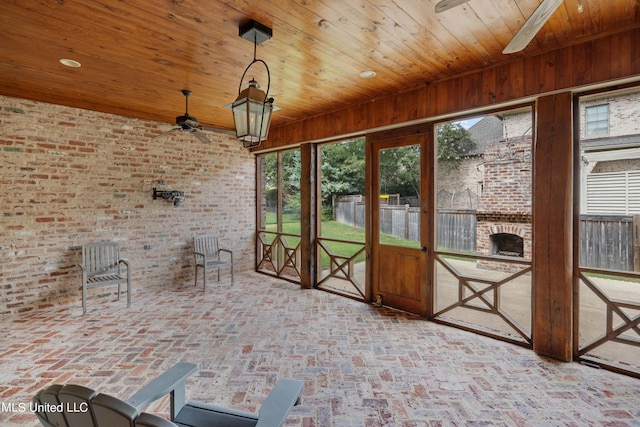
point(562, 60)
point(562, 17)
point(341, 73)
point(420, 38)
point(601, 63)
point(623, 64)
point(580, 22)
point(494, 23)
point(137, 55)
point(356, 29)
point(512, 82)
point(462, 41)
point(320, 28)
point(392, 36)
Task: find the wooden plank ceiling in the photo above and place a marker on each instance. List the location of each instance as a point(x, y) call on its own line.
point(137, 55)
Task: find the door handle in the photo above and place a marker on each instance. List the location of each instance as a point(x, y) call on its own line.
point(423, 249)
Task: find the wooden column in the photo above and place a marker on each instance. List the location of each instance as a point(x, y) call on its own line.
point(553, 227)
point(636, 243)
point(309, 214)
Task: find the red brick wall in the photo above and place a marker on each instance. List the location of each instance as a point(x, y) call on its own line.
point(505, 204)
point(507, 177)
point(71, 176)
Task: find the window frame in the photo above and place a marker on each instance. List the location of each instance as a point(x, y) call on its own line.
point(593, 127)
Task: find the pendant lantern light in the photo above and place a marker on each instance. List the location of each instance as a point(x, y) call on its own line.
point(252, 108)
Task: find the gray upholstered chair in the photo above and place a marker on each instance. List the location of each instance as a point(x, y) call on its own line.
point(78, 406)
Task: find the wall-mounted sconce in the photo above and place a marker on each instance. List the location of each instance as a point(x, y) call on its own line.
point(169, 195)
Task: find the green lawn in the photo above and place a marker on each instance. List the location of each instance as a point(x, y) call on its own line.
point(339, 231)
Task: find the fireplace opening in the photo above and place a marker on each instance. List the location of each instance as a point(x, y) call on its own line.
point(506, 244)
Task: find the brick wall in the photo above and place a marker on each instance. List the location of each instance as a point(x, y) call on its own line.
point(72, 176)
point(459, 189)
point(507, 177)
point(624, 114)
point(505, 204)
point(517, 123)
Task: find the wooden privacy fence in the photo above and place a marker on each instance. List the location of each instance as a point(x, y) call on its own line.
point(456, 230)
point(610, 242)
point(456, 227)
point(350, 212)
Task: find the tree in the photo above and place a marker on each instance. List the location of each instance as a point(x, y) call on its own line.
point(454, 145)
point(342, 169)
point(400, 171)
point(291, 170)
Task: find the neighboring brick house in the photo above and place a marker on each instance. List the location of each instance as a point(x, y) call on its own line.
point(500, 170)
point(460, 188)
point(609, 146)
point(610, 153)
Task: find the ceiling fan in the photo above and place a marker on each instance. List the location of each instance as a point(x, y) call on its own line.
point(527, 32)
point(190, 124)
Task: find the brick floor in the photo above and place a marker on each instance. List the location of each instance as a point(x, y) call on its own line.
point(361, 366)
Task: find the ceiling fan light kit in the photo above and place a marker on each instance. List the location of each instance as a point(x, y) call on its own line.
point(529, 29)
point(252, 108)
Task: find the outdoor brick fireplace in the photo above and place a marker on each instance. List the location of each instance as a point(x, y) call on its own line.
point(504, 208)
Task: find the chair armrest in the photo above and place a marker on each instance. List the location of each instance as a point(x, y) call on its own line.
point(172, 381)
point(276, 407)
point(124, 261)
point(227, 251)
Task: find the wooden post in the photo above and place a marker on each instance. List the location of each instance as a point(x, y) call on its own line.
point(309, 215)
point(553, 227)
point(406, 222)
point(354, 204)
point(636, 242)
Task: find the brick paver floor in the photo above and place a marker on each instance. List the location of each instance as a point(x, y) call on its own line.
point(361, 365)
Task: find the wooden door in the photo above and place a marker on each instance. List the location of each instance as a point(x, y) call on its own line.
point(399, 219)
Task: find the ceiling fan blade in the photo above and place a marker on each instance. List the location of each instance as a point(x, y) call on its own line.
point(531, 27)
point(166, 133)
point(200, 136)
point(218, 130)
point(448, 4)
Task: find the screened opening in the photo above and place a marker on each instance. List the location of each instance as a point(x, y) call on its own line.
point(608, 302)
point(484, 224)
point(278, 225)
point(341, 242)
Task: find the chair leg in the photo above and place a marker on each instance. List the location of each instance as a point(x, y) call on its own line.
point(195, 282)
point(204, 276)
point(84, 299)
point(128, 290)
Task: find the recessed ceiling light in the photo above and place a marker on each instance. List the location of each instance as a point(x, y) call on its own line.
point(70, 63)
point(367, 74)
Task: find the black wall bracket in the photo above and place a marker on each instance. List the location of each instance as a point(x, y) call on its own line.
point(169, 195)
